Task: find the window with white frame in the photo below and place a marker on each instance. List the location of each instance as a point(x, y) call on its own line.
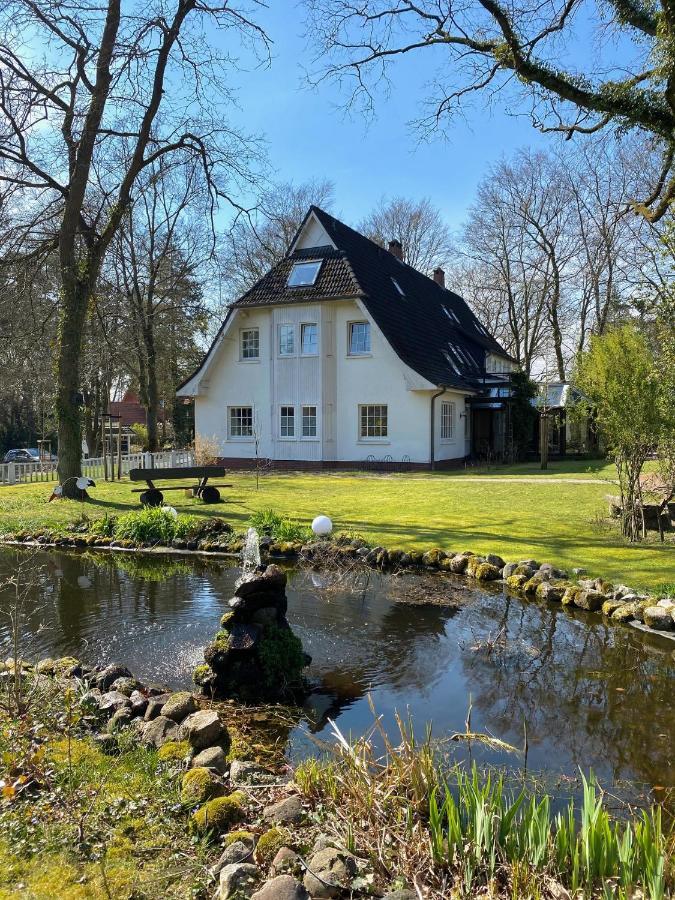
point(359, 338)
point(309, 339)
point(286, 340)
point(373, 421)
point(240, 421)
point(304, 273)
point(250, 343)
point(447, 421)
point(309, 429)
point(287, 422)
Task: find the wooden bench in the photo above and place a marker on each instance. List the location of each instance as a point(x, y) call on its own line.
point(153, 496)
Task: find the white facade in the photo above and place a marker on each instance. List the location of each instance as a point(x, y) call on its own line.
point(266, 392)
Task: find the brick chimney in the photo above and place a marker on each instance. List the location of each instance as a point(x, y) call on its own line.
point(396, 249)
point(439, 277)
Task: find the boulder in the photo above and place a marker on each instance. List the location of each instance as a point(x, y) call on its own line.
point(659, 618)
point(199, 784)
point(219, 814)
point(625, 613)
point(111, 673)
point(335, 869)
point(179, 706)
point(509, 569)
point(272, 579)
point(202, 729)
point(666, 603)
point(459, 563)
point(212, 758)
point(590, 600)
point(126, 685)
point(288, 811)
point(158, 731)
point(487, 572)
point(550, 591)
point(237, 852)
point(120, 719)
point(139, 703)
point(610, 606)
point(516, 581)
point(237, 880)
point(495, 560)
point(153, 709)
point(283, 887)
point(432, 558)
point(242, 773)
point(286, 862)
point(112, 701)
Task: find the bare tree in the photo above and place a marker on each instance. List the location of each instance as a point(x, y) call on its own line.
point(81, 88)
point(484, 47)
point(255, 244)
point(417, 224)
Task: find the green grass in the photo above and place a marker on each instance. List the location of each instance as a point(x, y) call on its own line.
point(549, 518)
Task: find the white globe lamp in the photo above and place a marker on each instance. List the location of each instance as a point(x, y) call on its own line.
point(322, 526)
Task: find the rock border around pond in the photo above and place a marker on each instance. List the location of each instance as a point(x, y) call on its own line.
point(266, 836)
point(525, 578)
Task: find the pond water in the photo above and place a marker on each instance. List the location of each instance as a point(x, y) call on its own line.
point(591, 695)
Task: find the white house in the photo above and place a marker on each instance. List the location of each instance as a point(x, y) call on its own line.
point(343, 353)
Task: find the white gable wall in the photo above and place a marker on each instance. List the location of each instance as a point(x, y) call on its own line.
point(336, 383)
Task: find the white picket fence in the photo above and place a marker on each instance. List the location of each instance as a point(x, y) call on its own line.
point(25, 472)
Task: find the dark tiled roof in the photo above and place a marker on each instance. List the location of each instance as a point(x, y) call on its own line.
point(430, 328)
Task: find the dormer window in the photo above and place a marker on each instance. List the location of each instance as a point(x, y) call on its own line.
point(304, 274)
point(398, 287)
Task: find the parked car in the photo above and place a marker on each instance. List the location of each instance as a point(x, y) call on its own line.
point(23, 455)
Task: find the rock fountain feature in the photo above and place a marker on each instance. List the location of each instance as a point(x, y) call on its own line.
point(254, 655)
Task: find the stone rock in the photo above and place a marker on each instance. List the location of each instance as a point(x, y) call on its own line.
point(283, 887)
point(530, 563)
point(487, 572)
point(432, 558)
point(265, 616)
point(243, 637)
point(199, 784)
point(250, 773)
point(335, 870)
point(111, 673)
point(588, 584)
point(659, 618)
point(202, 729)
point(459, 563)
point(590, 600)
point(211, 758)
point(120, 719)
point(126, 685)
point(495, 560)
point(237, 880)
point(288, 811)
point(158, 731)
point(666, 603)
point(547, 590)
point(46, 666)
point(272, 579)
point(610, 606)
point(621, 591)
point(237, 852)
point(153, 709)
point(112, 701)
point(286, 862)
point(179, 706)
point(509, 569)
point(91, 699)
point(139, 703)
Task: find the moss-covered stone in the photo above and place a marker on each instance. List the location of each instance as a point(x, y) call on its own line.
point(269, 844)
point(227, 619)
point(281, 658)
point(530, 586)
point(173, 751)
point(516, 582)
point(625, 613)
point(610, 606)
point(235, 836)
point(487, 572)
point(571, 594)
point(219, 814)
point(432, 558)
point(202, 675)
point(198, 785)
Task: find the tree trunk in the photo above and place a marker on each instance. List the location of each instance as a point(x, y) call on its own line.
point(153, 392)
point(75, 295)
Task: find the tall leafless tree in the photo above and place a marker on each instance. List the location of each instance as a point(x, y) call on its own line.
point(417, 224)
point(81, 90)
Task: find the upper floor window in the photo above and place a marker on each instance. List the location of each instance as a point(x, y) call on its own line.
point(447, 421)
point(373, 421)
point(309, 339)
point(286, 340)
point(359, 338)
point(250, 343)
point(304, 273)
point(241, 421)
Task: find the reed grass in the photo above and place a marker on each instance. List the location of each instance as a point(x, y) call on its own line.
point(449, 832)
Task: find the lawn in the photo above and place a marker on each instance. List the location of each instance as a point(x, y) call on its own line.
point(554, 516)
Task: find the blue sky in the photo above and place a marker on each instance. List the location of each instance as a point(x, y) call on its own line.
point(308, 135)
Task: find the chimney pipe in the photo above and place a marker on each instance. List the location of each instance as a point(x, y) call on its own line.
point(439, 277)
point(396, 249)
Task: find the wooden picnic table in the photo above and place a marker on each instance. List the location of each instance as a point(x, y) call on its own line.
point(153, 496)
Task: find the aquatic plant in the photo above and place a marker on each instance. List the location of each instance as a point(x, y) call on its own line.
point(461, 832)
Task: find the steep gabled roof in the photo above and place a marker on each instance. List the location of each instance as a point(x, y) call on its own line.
point(430, 328)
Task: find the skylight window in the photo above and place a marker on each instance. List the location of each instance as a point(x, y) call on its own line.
point(480, 328)
point(304, 274)
point(398, 287)
point(451, 314)
point(446, 354)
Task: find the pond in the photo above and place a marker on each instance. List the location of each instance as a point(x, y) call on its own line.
point(590, 694)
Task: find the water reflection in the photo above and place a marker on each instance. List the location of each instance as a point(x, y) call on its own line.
point(591, 695)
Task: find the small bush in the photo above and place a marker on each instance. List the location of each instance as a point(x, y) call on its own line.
point(269, 523)
point(153, 525)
